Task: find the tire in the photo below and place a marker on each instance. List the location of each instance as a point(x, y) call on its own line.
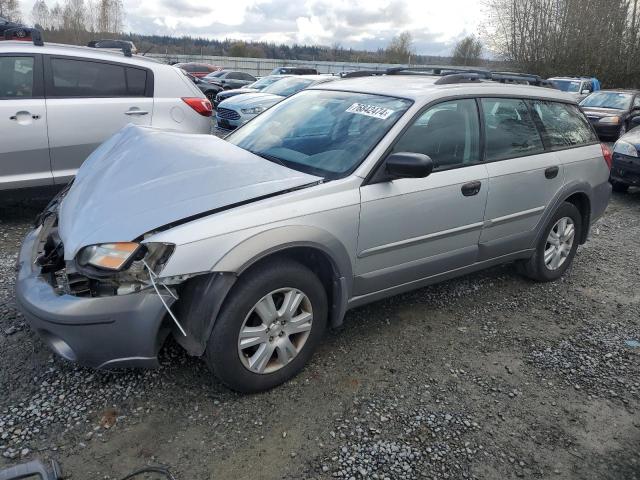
point(239, 313)
point(536, 267)
point(619, 187)
point(211, 96)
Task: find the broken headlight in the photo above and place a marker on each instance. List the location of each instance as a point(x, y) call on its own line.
point(110, 256)
point(119, 256)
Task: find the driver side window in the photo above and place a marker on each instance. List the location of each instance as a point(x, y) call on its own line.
point(449, 133)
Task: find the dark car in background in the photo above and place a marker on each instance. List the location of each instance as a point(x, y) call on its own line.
point(625, 170)
point(611, 111)
point(229, 79)
point(198, 69)
point(256, 86)
point(294, 71)
point(20, 32)
point(210, 90)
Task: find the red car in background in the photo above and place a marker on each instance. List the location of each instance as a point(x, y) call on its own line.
point(198, 70)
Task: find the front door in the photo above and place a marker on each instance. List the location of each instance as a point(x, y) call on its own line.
point(87, 102)
point(24, 146)
point(412, 229)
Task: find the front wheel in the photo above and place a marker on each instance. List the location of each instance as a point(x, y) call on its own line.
point(269, 327)
point(557, 245)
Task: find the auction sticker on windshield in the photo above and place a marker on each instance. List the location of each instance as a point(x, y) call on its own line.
point(370, 111)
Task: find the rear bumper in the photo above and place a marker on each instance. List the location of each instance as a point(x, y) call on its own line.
point(626, 169)
point(99, 332)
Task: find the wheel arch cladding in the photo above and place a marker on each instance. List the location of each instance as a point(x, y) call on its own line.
point(202, 297)
point(581, 201)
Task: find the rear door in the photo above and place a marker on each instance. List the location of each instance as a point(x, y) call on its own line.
point(24, 147)
point(523, 177)
point(87, 102)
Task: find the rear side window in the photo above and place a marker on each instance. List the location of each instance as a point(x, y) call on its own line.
point(449, 133)
point(563, 125)
point(81, 78)
point(136, 82)
point(16, 77)
point(509, 129)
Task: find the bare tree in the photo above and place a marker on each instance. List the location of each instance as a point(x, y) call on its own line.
point(569, 37)
point(467, 51)
point(400, 49)
point(10, 9)
point(40, 14)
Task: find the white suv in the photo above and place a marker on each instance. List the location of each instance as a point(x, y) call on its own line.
point(59, 102)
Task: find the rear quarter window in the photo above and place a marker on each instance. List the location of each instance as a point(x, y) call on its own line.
point(563, 125)
point(82, 78)
point(510, 130)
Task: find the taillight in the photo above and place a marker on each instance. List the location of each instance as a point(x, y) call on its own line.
point(200, 105)
point(607, 154)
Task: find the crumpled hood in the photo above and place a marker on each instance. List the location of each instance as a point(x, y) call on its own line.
point(142, 178)
point(246, 100)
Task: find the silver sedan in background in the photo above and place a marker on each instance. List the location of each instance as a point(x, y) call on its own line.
point(232, 113)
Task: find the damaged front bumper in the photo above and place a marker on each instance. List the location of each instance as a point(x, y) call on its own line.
point(99, 332)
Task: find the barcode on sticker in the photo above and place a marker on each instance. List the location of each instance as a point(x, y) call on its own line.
point(370, 111)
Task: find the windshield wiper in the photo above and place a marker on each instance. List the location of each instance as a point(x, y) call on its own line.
point(270, 158)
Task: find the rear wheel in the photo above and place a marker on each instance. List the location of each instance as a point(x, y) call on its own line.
point(211, 96)
point(557, 245)
point(269, 327)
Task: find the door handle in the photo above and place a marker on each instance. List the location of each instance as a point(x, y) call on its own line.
point(551, 172)
point(472, 188)
point(136, 112)
point(15, 117)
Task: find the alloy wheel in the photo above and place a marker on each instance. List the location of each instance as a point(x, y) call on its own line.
point(275, 330)
point(559, 243)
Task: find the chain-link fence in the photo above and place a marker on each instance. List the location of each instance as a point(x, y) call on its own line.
point(264, 66)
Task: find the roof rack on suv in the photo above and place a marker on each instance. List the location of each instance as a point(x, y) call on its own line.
point(439, 70)
point(36, 36)
point(361, 73)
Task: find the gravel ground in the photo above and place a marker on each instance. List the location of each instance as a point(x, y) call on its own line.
point(487, 376)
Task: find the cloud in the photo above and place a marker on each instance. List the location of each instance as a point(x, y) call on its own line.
point(359, 24)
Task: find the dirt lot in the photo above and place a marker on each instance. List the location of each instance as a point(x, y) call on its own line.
point(488, 376)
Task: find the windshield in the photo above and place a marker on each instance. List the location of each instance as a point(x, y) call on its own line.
point(288, 86)
point(619, 101)
point(321, 132)
point(265, 82)
point(567, 85)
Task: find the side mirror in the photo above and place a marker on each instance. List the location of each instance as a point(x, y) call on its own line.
point(586, 92)
point(408, 165)
point(635, 121)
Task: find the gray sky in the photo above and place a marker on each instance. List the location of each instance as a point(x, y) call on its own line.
point(363, 24)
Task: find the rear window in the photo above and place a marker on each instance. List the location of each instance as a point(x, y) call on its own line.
point(509, 129)
point(563, 125)
point(82, 78)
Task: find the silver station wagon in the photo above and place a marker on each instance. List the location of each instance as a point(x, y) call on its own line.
point(247, 249)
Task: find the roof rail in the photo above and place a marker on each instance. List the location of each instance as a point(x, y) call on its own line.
point(470, 77)
point(124, 46)
point(361, 73)
point(36, 36)
point(438, 70)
